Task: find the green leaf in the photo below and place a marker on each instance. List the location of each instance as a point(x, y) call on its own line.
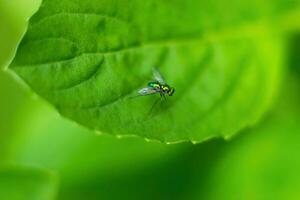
point(88, 58)
point(20, 183)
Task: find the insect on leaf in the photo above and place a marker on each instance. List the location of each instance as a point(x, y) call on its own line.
point(88, 57)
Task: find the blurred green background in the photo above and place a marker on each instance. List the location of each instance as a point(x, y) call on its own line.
point(44, 156)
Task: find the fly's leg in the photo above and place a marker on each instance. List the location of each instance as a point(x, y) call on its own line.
point(164, 97)
point(153, 106)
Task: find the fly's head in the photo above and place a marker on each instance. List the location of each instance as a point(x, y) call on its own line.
point(171, 91)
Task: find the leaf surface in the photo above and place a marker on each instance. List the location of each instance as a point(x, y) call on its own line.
point(88, 58)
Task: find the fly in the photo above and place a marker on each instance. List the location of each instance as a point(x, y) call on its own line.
point(158, 86)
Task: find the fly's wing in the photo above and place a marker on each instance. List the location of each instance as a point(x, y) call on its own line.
point(147, 91)
point(158, 77)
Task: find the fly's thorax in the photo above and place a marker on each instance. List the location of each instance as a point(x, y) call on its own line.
point(163, 89)
point(154, 85)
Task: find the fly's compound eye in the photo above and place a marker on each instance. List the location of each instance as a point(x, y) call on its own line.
point(171, 91)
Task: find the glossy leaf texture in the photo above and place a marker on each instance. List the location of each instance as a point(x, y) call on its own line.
point(89, 58)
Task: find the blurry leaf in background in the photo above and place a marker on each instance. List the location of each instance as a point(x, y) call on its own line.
point(13, 20)
point(13, 15)
point(23, 183)
point(294, 54)
point(89, 57)
point(12, 98)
